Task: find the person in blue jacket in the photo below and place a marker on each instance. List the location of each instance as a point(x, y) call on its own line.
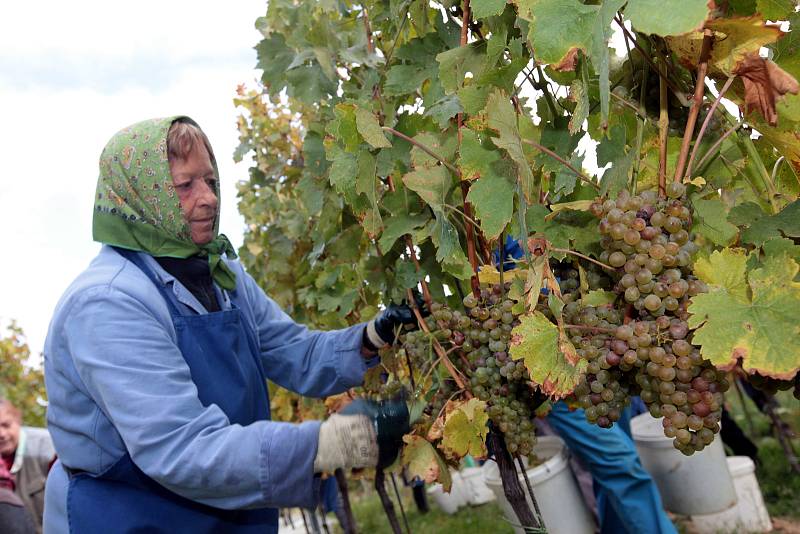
point(157, 357)
point(627, 497)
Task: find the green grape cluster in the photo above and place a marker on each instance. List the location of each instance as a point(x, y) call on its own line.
point(646, 348)
point(480, 337)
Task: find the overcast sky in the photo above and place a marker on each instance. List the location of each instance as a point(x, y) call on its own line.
point(71, 75)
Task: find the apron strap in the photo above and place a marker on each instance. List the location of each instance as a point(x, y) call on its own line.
point(135, 258)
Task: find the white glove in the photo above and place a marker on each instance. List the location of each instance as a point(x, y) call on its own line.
point(346, 441)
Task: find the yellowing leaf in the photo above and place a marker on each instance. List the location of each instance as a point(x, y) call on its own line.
point(465, 430)
point(748, 315)
point(370, 129)
point(546, 354)
point(489, 275)
point(735, 38)
point(422, 460)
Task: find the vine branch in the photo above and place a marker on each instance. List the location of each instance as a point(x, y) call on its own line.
point(564, 162)
point(706, 122)
point(697, 102)
point(663, 130)
point(424, 148)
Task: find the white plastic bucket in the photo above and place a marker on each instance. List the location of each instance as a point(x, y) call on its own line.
point(560, 500)
point(458, 496)
point(689, 485)
point(748, 515)
point(477, 490)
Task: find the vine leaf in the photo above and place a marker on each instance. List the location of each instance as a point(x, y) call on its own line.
point(398, 226)
point(455, 63)
point(599, 297)
point(465, 430)
point(343, 128)
point(370, 129)
point(667, 17)
point(366, 185)
point(775, 9)
point(737, 38)
point(432, 184)
point(579, 95)
point(748, 314)
point(560, 28)
point(424, 462)
point(712, 221)
point(493, 199)
point(546, 354)
point(765, 83)
point(487, 8)
point(761, 227)
point(503, 120)
point(475, 160)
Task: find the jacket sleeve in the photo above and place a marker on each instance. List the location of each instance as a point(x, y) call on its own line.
point(131, 366)
point(310, 362)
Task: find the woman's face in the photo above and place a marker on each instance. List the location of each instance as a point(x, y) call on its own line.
point(196, 185)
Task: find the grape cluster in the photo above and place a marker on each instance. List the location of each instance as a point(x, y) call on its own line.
point(480, 337)
point(648, 351)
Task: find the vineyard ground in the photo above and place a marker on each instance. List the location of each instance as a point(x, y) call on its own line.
point(781, 490)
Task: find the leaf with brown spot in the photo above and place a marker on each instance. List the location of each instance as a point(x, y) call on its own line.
point(765, 83)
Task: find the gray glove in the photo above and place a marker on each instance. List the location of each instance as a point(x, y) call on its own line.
point(346, 441)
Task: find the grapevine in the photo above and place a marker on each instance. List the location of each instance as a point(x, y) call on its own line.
point(398, 145)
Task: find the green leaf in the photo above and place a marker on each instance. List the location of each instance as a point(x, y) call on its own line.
point(599, 52)
point(406, 273)
point(487, 8)
point(616, 177)
point(366, 185)
point(560, 27)
point(404, 79)
point(748, 315)
point(344, 128)
point(473, 97)
point(475, 160)
point(444, 109)
point(370, 129)
point(421, 159)
point(781, 245)
point(397, 227)
point(309, 85)
point(432, 184)
point(422, 460)
point(577, 93)
point(556, 137)
point(503, 119)
point(712, 221)
point(342, 175)
point(455, 63)
point(667, 17)
point(612, 146)
point(493, 199)
point(546, 354)
point(786, 223)
point(274, 57)
point(566, 180)
point(575, 230)
point(776, 9)
point(465, 430)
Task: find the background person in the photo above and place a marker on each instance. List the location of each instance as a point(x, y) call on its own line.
point(27, 454)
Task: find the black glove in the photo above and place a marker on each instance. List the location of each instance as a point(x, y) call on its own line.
point(391, 421)
point(382, 329)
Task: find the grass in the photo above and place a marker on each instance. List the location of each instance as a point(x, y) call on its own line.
point(370, 517)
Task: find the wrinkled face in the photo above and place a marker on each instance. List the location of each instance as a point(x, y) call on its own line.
point(196, 185)
point(9, 431)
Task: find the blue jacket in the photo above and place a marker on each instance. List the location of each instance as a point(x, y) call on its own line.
point(117, 382)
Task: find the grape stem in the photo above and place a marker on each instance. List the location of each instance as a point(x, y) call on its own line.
point(699, 91)
point(717, 144)
point(424, 148)
point(564, 162)
point(706, 122)
point(587, 258)
point(663, 130)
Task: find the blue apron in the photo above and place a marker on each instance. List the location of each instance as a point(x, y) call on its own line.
point(222, 355)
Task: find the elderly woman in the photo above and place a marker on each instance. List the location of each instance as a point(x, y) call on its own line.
point(157, 358)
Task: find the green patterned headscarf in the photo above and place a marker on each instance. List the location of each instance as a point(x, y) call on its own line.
point(136, 206)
